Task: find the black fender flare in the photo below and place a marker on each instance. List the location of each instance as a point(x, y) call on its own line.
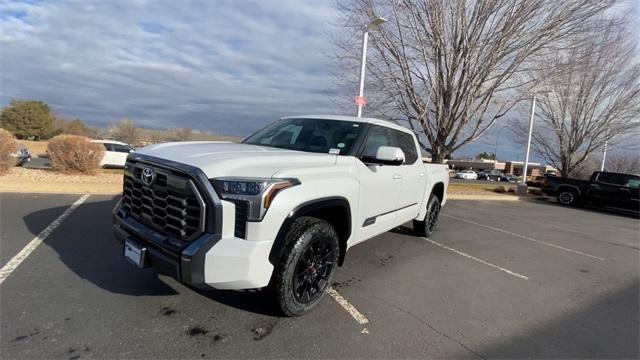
point(311, 207)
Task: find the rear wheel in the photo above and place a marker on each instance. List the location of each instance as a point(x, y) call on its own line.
point(567, 197)
point(307, 267)
point(428, 226)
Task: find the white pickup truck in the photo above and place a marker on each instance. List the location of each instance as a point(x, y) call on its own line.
point(280, 209)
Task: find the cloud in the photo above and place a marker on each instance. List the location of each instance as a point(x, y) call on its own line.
point(226, 66)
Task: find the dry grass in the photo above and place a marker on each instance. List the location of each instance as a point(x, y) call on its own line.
point(478, 188)
point(37, 148)
point(46, 181)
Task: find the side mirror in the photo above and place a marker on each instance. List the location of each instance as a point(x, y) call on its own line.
point(390, 155)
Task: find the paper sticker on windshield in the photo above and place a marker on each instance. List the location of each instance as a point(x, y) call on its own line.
point(340, 145)
point(356, 125)
point(334, 151)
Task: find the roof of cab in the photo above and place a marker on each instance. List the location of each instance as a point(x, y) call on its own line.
point(354, 119)
point(107, 141)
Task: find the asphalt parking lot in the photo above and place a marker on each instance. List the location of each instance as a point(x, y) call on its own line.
point(498, 280)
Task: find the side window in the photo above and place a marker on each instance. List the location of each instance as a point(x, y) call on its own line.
point(408, 146)
point(120, 148)
point(633, 182)
point(378, 136)
point(107, 147)
point(611, 178)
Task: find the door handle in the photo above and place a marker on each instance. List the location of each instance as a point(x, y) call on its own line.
point(397, 177)
point(421, 174)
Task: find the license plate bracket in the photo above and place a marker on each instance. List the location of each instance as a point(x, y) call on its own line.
point(134, 253)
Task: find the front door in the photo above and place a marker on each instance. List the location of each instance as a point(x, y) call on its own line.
point(379, 187)
point(608, 189)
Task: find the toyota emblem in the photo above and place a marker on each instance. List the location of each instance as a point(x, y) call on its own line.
point(148, 176)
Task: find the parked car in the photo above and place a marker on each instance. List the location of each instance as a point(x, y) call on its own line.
point(602, 189)
point(540, 180)
point(115, 154)
point(22, 155)
point(281, 208)
point(467, 175)
point(509, 178)
point(490, 175)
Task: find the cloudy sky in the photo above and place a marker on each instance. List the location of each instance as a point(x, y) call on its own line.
point(226, 66)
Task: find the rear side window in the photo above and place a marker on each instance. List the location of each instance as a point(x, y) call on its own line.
point(408, 146)
point(107, 147)
point(120, 148)
point(611, 178)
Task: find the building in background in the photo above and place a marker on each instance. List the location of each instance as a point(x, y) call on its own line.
point(509, 167)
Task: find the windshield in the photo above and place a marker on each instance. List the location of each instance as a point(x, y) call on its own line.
point(313, 135)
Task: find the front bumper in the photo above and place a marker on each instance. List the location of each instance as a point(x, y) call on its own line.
point(209, 261)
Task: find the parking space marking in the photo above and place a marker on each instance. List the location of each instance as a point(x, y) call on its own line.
point(357, 315)
point(542, 242)
point(512, 273)
point(33, 244)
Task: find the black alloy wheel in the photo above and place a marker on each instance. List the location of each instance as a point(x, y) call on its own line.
point(306, 268)
point(313, 271)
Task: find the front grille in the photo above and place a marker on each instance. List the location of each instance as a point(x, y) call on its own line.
point(171, 204)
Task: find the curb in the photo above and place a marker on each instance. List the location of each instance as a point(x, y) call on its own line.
point(483, 197)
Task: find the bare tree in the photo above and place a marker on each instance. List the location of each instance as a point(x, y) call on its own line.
point(451, 68)
point(156, 137)
point(126, 131)
point(623, 162)
point(183, 134)
point(594, 98)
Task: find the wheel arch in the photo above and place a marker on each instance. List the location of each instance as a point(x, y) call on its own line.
point(568, 186)
point(335, 210)
point(438, 190)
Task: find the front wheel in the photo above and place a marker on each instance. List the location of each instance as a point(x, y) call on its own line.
point(567, 197)
point(307, 267)
point(428, 226)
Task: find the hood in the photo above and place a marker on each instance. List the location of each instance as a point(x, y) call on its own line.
point(218, 159)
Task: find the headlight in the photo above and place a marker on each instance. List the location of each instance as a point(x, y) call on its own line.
point(258, 193)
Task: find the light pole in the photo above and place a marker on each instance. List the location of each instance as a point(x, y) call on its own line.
point(604, 155)
point(363, 62)
point(495, 153)
point(522, 188)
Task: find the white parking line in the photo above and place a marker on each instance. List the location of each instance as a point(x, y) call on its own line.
point(357, 315)
point(524, 237)
point(33, 244)
point(512, 273)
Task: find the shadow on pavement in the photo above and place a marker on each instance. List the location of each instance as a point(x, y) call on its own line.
point(84, 243)
point(607, 328)
point(588, 208)
point(258, 301)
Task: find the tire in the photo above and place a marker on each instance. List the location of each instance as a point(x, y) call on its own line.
point(428, 226)
point(307, 266)
point(567, 197)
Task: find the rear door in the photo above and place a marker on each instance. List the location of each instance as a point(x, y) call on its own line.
point(633, 189)
point(414, 179)
point(108, 154)
point(379, 186)
point(120, 153)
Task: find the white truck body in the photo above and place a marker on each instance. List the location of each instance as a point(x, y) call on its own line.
point(374, 197)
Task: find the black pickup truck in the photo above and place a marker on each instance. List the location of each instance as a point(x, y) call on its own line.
point(603, 189)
